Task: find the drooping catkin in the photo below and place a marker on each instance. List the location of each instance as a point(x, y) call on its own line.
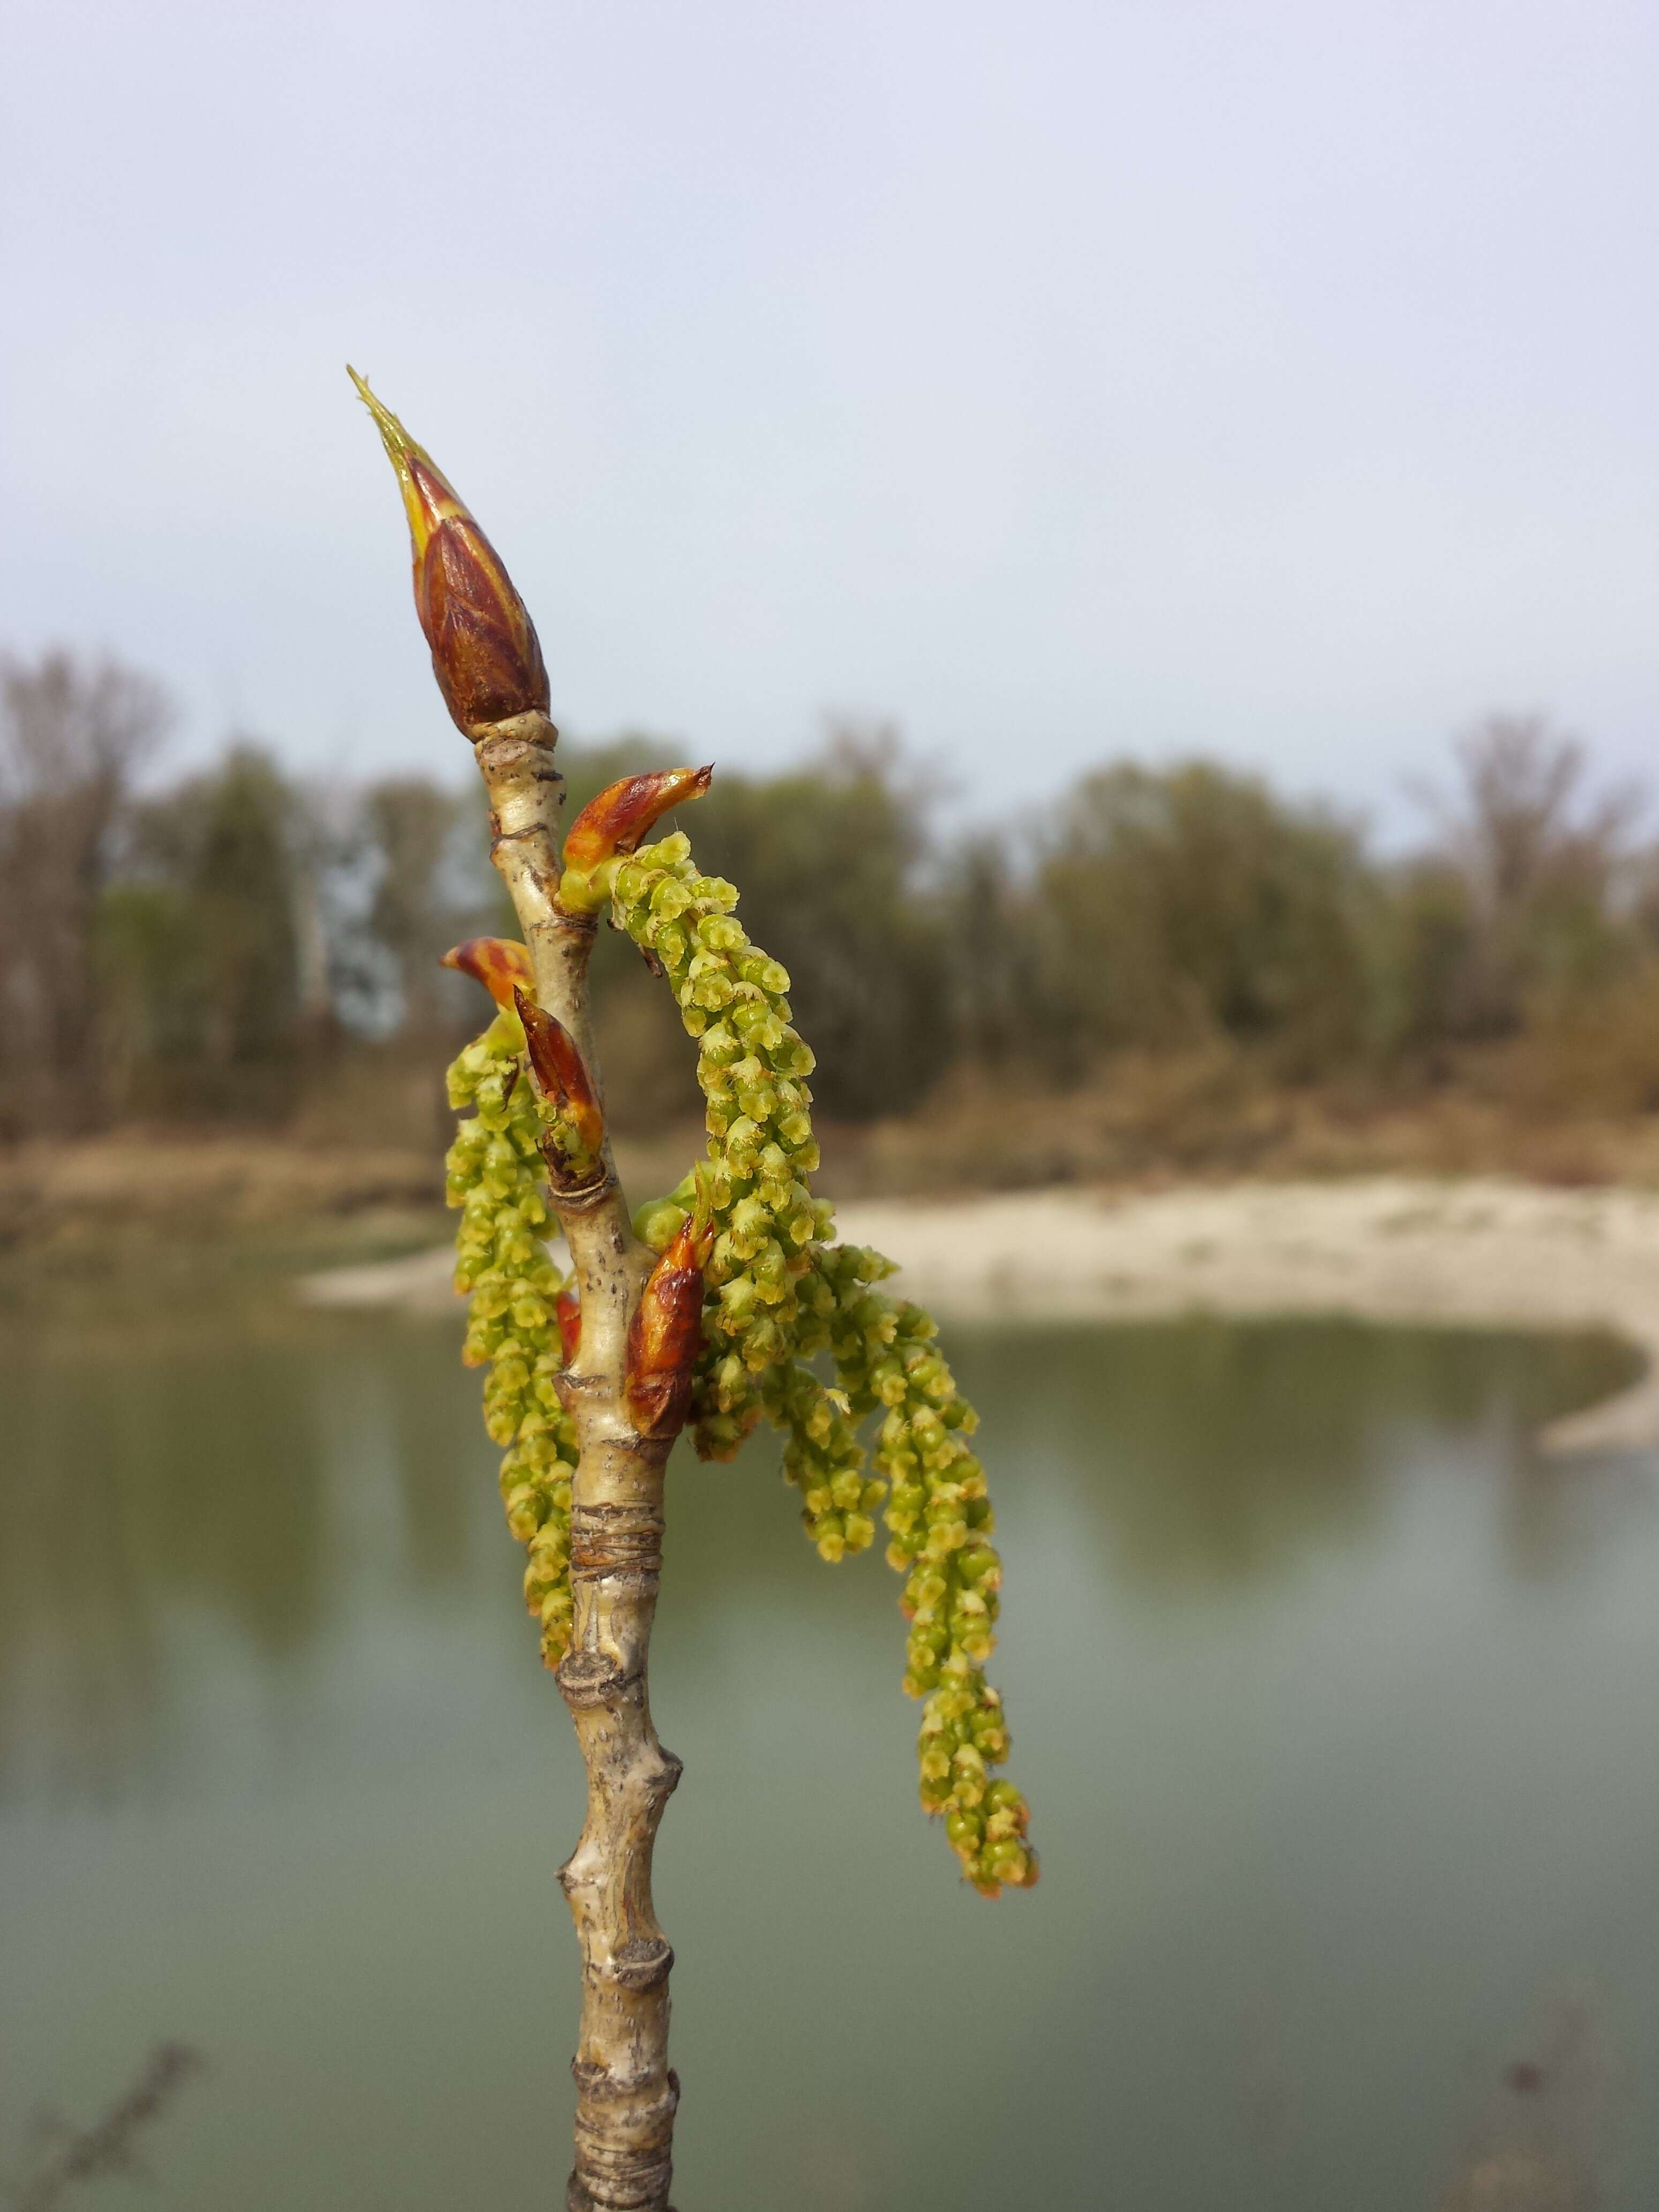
point(780, 1294)
point(494, 1174)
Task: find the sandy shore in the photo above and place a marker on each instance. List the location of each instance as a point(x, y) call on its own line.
point(1479, 1253)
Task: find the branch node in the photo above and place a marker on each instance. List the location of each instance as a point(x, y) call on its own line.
point(615, 1539)
point(653, 2097)
point(577, 2199)
point(591, 1679)
point(591, 1195)
point(492, 739)
point(643, 1963)
point(587, 925)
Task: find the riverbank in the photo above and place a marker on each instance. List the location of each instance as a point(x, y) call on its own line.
point(1482, 1252)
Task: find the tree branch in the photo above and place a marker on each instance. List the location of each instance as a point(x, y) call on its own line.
point(626, 2095)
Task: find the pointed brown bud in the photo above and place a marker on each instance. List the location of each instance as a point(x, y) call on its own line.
point(568, 1311)
point(666, 1331)
point(560, 1076)
point(619, 819)
point(484, 650)
point(497, 963)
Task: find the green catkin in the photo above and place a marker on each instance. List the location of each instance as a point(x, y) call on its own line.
point(494, 1174)
point(780, 1294)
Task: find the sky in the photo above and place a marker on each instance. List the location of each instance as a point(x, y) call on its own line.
point(1266, 378)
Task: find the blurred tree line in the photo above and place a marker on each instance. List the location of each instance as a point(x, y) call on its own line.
point(214, 948)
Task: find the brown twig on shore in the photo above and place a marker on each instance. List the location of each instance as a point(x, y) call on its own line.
point(68, 2156)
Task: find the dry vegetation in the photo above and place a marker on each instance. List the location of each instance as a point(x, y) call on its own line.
point(1147, 1119)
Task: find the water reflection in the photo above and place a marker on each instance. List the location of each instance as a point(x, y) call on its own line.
point(249, 1467)
point(1211, 1453)
point(80, 1647)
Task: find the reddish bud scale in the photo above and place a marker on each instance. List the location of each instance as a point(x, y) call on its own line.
point(560, 1073)
point(502, 967)
point(485, 652)
point(568, 1312)
point(619, 819)
point(664, 1337)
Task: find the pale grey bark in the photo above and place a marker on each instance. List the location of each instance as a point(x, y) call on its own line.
point(626, 2095)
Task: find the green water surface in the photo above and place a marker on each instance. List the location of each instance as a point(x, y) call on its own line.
point(1337, 1706)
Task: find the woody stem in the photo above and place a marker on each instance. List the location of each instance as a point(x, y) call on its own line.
point(625, 2091)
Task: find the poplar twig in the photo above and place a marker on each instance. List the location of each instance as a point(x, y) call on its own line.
point(709, 1306)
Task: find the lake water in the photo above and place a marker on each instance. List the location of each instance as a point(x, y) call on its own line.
point(1337, 1707)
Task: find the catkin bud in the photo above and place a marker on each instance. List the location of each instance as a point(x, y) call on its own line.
point(568, 1311)
point(664, 1335)
point(563, 1078)
point(616, 823)
point(500, 964)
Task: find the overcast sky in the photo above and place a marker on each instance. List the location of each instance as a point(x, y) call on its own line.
point(1275, 379)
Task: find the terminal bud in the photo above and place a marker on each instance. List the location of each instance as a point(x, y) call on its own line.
point(485, 652)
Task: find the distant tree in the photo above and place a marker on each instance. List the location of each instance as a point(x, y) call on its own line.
point(828, 857)
point(409, 823)
point(242, 880)
point(1537, 861)
point(204, 941)
point(1182, 903)
point(73, 732)
point(998, 1009)
point(1421, 941)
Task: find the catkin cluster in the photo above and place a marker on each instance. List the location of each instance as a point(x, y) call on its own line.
point(780, 1294)
point(495, 1175)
